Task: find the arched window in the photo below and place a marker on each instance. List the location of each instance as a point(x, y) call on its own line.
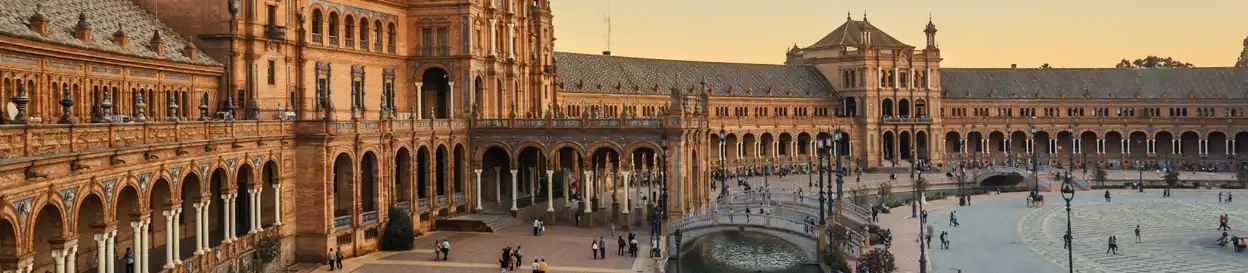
point(348, 31)
point(390, 37)
point(333, 28)
point(377, 36)
point(363, 33)
point(316, 26)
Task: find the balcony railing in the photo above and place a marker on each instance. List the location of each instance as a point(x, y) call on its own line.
point(342, 221)
point(333, 40)
point(404, 206)
point(369, 217)
point(423, 204)
point(441, 199)
point(569, 123)
point(918, 120)
point(44, 139)
point(275, 32)
point(316, 37)
point(459, 197)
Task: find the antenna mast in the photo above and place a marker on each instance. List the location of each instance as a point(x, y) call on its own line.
point(608, 19)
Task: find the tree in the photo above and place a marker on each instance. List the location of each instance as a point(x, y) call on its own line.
point(1153, 62)
point(879, 260)
point(1100, 174)
point(268, 249)
point(1045, 66)
point(836, 260)
point(921, 184)
point(885, 190)
point(399, 234)
point(859, 194)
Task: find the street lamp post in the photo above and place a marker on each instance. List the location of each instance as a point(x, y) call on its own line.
point(821, 150)
point(1035, 165)
point(961, 169)
point(922, 220)
point(663, 198)
point(1071, 171)
point(840, 181)
point(679, 242)
point(1068, 194)
point(723, 169)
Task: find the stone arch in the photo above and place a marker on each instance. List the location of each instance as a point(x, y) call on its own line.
point(803, 143)
point(887, 141)
point(1113, 143)
point(46, 228)
point(903, 108)
point(191, 193)
point(921, 140)
point(1217, 143)
point(161, 202)
point(89, 222)
point(401, 195)
point(748, 141)
point(1164, 146)
point(269, 183)
point(1189, 145)
point(614, 147)
point(953, 142)
point(786, 144)
point(486, 146)
point(441, 158)
point(496, 163)
point(343, 186)
point(531, 163)
point(458, 170)
point(368, 180)
point(766, 141)
point(886, 107)
point(436, 86)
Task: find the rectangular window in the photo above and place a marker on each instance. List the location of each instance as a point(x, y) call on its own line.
point(905, 79)
point(426, 42)
point(272, 15)
point(272, 72)
point(443, 41)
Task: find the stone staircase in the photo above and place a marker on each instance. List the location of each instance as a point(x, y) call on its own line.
point(482, 222)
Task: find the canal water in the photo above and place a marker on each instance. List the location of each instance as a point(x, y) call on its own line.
point(742, 252)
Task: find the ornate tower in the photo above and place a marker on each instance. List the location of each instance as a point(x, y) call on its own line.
point(1243, 56)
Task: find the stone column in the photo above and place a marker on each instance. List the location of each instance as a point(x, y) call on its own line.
point(102, 262)
point(550, 196)
point(111, 247)
point(450, 102)
point(277, 204)
point(58, 259)
point(493, 35)
point(420, 102)
point(71, 259)
point(1227, 146)
point(168, 238)
point(137, 242)
point(227, 205)
point(511, 45)
point(147, 242)
point(1126, 146)
point(627, 176)
point(588, 180)
point(513, 190)
point(478, 171)
point(200, 207)
point(177, 237)
point(253, 211)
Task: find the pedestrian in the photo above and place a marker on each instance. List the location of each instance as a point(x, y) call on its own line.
point(632, 248)
point(1219, 197)
point(602, 247)
point(339, 257)
point(504, 260)
point(446, 250)
point(129, 256)
point(944, 239)
point(1229, 197)
point(923, 216)
point(518, 258)
point(594, 245)
point(621, 243)
point(330, 256)
point(875, 214)
point(1113, 245)
point(537, 227)
point(542, 266)
point(578, 219)
point(1066, 241)
point(953, 218)
point(542, 229)
point(1107, 195)
point(928, 239)
point(535, 266)
point(1221, 221)
point(1137, 234)
point(612, 227)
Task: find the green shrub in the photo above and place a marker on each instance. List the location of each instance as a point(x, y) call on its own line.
point(268, 249)
point(399, 233)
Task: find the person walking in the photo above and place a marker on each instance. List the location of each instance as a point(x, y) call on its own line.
point(330, 257)
point(594, 246)
point(1107, 196)
point(1229, 197)
point(612, 227)
point(518, 258)
point(129, 256)
point(953, 218)
point(620, 251)
point(537, 225)
point(1219, 197)
point(542, 266)
point(602, 247)
point(446, 250)
point(928, 239)
point(1113, 246)
point(339, 257)
point(437, 250)
point(504, 260)
point(944, 239)
point(632, 248)
point(1137, 234)
point(535, 266)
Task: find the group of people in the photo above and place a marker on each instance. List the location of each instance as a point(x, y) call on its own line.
point(335, 259)
point(628, 247)
point(511, 259)
point(1224, 200)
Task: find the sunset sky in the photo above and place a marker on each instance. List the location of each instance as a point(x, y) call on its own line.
point(973, 33)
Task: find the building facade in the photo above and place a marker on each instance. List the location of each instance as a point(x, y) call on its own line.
point(193, 131)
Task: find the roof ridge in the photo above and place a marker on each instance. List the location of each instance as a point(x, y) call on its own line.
point(683, 61)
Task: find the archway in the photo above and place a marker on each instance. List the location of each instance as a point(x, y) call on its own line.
point(1018, 143)
point(440, 174)
point(436, 93)
point(190, 195)
point(1189, 143)
point(1217, 144)
point(531, 163)
point(920, 144)
point(749, 142)
point(401, 195)
point(786, 145)
point(344, 197)
point(1087, 146)
point(1065, 149)
point(126, 215)
point(423, 195)
point(568, 161)
point(496, 172)
point(1241, 143)
point(242, 204)
point(768, 143)
point(478, 86)
point(886, 108)
point(8, 242)
point(851, 107)
point(46, 236)
point(90, 222)
point(887, 143)
point(644, 165)
point(1040, 141)
point(906, 143)
point(731, 145)
point(953, 142)
point(368, 188)
point(903, 108)
point(996, 142)
point(605, 163)
point(920, 108)
point(160, 204)
point(1165, 144)
point(269, 194)
point(803, 143)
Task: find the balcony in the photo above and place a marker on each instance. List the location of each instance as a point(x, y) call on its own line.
point(369, 217)
point(342, 221)
point(275, 32)
point(316, 37)
point(918, 120)
point(333, 40)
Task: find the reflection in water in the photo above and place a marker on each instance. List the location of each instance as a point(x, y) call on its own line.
point(743, 252)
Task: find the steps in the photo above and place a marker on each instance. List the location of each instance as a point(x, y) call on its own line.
point(477, 223)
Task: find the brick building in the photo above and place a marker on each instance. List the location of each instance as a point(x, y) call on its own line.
point(192, 129)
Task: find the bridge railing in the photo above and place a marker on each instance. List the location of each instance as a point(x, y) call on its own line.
point(1080, 183)
point(852, 211)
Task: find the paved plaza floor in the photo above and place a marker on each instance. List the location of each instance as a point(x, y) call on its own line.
point(1178, 234)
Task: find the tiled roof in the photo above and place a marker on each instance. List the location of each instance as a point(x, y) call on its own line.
point(850, 34)
point(104, 16)
point(1146, 83)
point(603, 74)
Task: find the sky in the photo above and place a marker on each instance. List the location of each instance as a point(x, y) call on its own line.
point(972, 33)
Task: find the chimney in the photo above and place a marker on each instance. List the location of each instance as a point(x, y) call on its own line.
point(190, 51)
point(1013, 66)
point(120, 37)
point(82, 31)
point(157, 44)
point(39, 23)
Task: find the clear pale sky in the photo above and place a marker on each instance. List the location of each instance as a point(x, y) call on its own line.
point(973, 33)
